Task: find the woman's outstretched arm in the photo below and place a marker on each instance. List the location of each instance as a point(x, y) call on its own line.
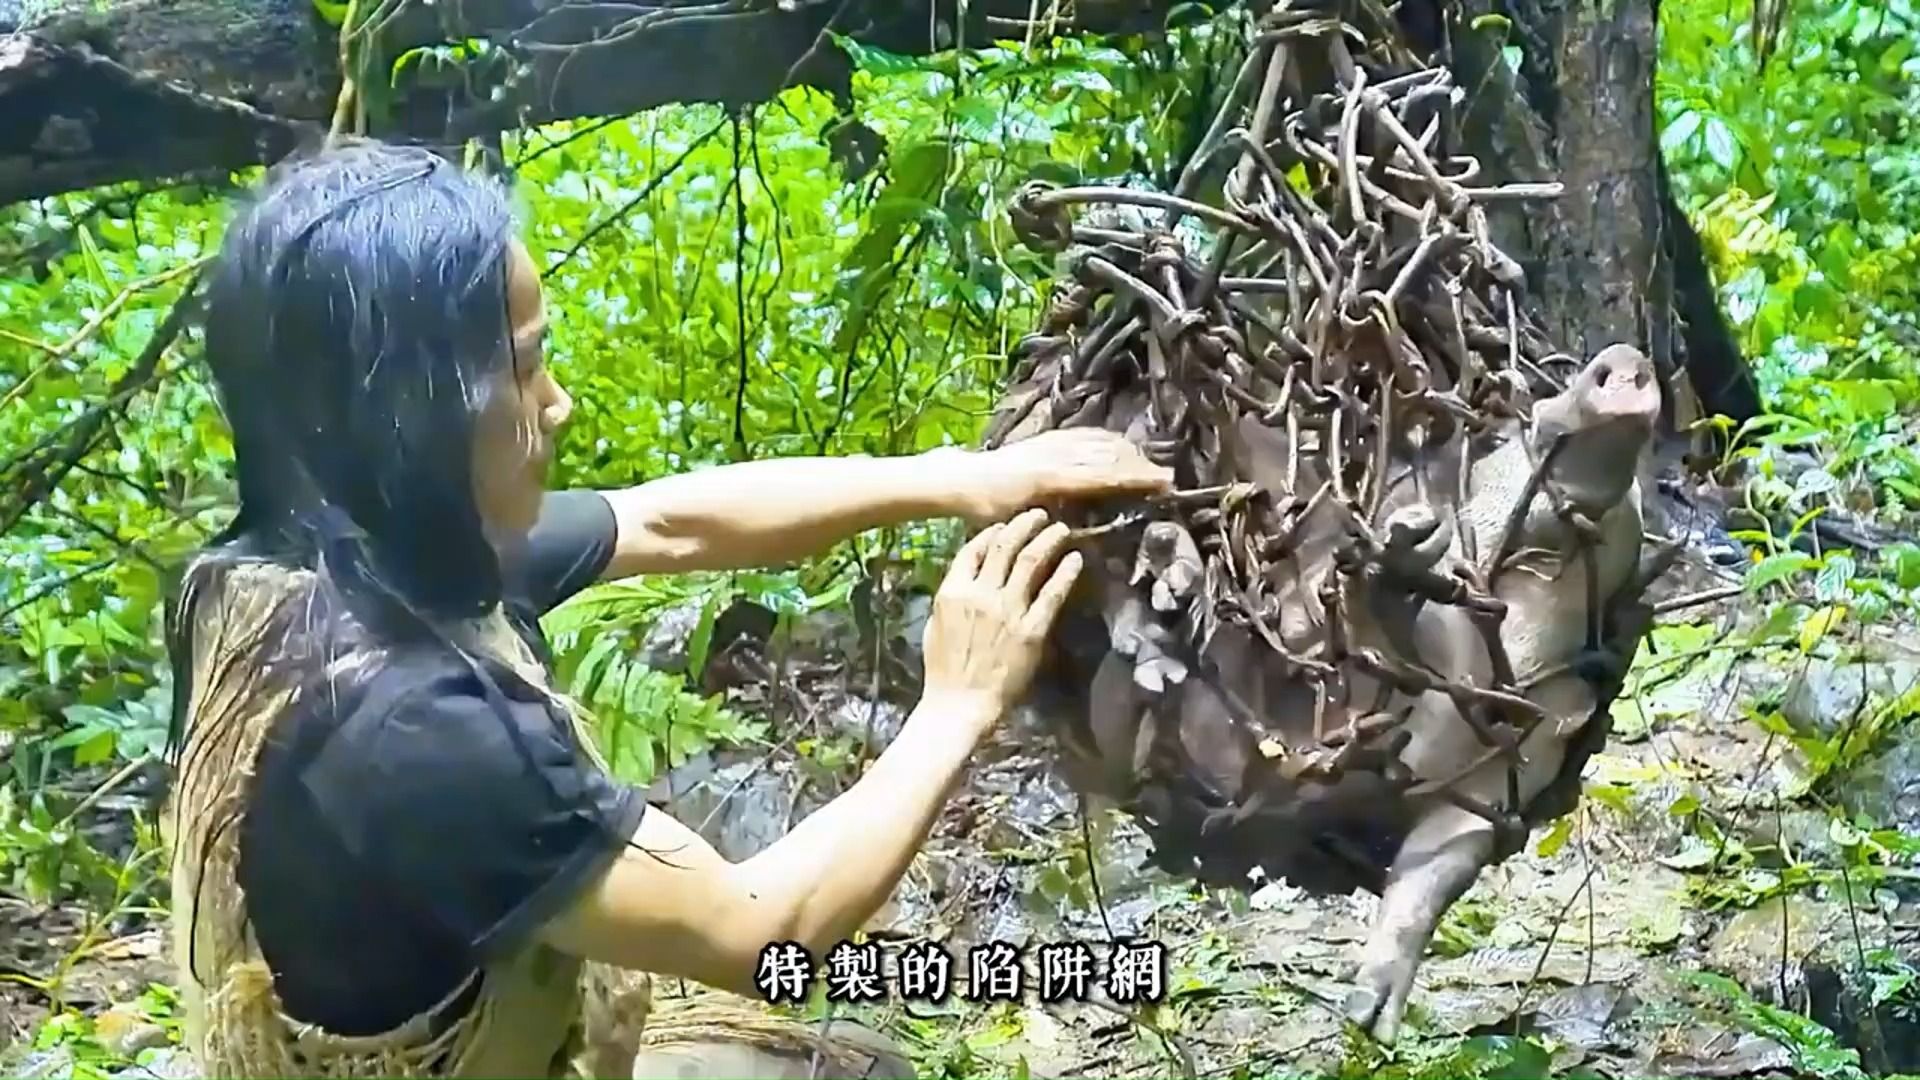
point(676, 907)
point(761, 513)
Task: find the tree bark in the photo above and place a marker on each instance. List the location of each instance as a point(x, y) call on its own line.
point(1614, 258)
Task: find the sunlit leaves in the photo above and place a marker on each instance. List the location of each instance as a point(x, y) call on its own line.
point(873, 307)
point(1776, 568)
point(1804, 182)
point(1679, 131)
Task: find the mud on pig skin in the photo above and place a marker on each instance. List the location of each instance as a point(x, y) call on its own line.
point(1217, 753)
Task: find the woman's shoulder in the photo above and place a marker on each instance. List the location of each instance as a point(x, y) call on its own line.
point(436, 693)
point(568, 548)
point(437, 743)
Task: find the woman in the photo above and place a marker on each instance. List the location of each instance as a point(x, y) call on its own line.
point(394, 852)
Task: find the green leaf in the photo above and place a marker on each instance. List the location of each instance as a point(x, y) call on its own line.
point(1843, 835)
point(594, 667)
point(1819, 624)
point(1506, 1057)
point(1896, 54)
point(1831, 584)
point(1556, 838)
point(1904, 557)
point(1694, 853)
point(1679, 131)
point(1781, 622)
point(1867, 398)
point(1091, 81)
point(1721, 145)
point(95, 750)
point(702, 637)
point(1616, 796)
point(1631, 720)
point(877, 61)
point(1777, 568)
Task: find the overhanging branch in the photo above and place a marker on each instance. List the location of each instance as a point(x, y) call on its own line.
point(95, 93)
point(72, 119)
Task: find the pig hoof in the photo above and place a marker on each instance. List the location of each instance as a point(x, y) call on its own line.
point(1370, 1007)
point(1363, 1007)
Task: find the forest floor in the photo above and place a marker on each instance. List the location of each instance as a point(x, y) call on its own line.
point(1686, 918)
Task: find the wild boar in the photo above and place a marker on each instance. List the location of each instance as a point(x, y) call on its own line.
point(1355, 733)
point(1556, 553)
point(1371, 639)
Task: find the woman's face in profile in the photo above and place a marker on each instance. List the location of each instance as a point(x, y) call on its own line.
point(514, 434)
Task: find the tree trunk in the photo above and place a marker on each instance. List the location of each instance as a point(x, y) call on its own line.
point(1614, 258)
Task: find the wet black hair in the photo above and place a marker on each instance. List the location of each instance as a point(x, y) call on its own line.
point(356, 322)
point(353, 324)
point(356, 318)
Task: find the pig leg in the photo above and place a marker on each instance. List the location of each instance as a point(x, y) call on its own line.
point(1439, 861)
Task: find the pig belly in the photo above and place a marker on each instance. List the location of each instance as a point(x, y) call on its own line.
point(1549, 621)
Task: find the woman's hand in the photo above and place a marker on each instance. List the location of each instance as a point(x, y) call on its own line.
point(994, 610)
point(1074, 463)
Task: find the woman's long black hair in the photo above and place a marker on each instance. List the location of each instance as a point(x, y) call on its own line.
point(355, 320)
point(356, 323)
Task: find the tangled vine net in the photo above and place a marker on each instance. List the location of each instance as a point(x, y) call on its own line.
point(1346, 296)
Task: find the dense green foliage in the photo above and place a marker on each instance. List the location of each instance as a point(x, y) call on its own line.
point(1803, 178)
point(793, 282)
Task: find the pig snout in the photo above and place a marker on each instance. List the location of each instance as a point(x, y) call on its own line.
point(1606, 417)
point(1620, 386)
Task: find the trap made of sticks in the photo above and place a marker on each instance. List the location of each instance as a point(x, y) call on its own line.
point(1340, 326)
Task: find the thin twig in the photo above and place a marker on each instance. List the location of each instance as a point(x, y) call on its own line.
point(1692, 600)
point(43, 476)
point(625, 208)
point(100, 319)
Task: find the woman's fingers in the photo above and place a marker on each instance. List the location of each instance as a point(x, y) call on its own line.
point(1034, 559)
point(974, 552)
point(1000, 554)
point(1053, 596)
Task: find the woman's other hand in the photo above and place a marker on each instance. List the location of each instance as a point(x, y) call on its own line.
point(1053, 466)
point(993, 612)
